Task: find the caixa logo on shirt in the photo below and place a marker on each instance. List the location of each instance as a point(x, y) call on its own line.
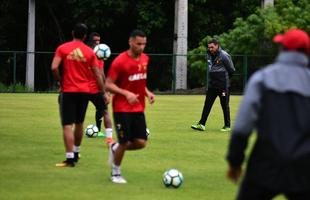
point(136, 77)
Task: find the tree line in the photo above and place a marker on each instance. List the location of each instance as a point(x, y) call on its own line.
point(241, 25)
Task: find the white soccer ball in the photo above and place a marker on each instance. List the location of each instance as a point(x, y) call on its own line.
point(102, 51)
point(91, 130)
point(173, 178)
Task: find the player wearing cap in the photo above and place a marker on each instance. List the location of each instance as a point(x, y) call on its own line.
point(277, 104)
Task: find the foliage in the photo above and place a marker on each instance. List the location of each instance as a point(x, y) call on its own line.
point(253, 35)
point(18, 87)
point(113, 19)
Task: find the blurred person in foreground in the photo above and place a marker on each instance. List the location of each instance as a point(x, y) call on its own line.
point(276, 104)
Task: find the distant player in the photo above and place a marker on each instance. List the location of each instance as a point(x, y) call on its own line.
point(96, 97)
point(77, 59)
point(127, 80)
point(221, 69)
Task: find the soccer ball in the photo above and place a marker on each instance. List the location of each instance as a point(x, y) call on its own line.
point(102, 51)
point(91, 131)
point(172, 178)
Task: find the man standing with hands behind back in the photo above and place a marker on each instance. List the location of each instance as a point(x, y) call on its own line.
point(221, 69)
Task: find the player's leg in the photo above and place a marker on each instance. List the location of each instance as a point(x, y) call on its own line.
point(108, 126)
point(224, 99)
point(122, 122)
point(97, 101)
point(81, 108)
point(67, 112)
point(139, 132)
point(209, 100)
point(252, 191)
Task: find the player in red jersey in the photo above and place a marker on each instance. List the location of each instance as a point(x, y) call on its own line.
point(127, 80)
point(77, 59)
point(96, 97)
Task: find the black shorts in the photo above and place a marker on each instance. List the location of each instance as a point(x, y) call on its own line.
point(72, 107)
point(130, 126)
point(98, 102)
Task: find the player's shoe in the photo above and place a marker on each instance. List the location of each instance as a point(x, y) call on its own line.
point(198, 127)
point(100, 134)
point(66, 163)
point(118, 179)
point(109, 141)
point(111, 154)
point(77, 156)
point(225, 129)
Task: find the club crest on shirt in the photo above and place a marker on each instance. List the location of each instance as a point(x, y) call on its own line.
point(142, 66)
point(218, 61)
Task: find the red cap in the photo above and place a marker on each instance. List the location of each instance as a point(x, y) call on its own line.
point(294, 39)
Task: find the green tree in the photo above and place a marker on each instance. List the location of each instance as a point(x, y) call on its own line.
point(253, 35)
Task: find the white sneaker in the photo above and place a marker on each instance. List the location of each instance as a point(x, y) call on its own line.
point(111, 155)
point(118, 179)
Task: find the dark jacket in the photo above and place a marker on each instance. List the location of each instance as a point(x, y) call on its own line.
point(277, 104)
point(221, 68)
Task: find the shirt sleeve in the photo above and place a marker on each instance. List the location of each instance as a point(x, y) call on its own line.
point(58, 53)
point(229, 65)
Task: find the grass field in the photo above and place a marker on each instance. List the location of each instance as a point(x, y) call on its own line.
point(31, 143)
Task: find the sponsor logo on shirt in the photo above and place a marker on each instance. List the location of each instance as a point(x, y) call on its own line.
point(76, 55)
point(136, 77)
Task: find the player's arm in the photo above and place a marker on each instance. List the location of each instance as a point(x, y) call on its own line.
point(229, 65)
point(99, 77)
point(55, 68)
point(150, 95)
point(112, 87)
point(244, 124)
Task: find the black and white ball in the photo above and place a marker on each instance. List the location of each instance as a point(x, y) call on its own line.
point(91, 130)
point(173, 178)
point(102, 51)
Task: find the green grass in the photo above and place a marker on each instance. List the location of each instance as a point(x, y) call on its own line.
point(31, 143)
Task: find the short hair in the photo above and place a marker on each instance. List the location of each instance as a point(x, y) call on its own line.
point(214, 41)
point(92, 34)
point(136, 33)
point(80, 30)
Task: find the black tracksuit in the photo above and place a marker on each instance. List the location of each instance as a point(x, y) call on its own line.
point(277, 105)
point(221, 68)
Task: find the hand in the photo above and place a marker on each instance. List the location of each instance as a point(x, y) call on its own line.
point(132, 98)
point(234, 173)
point(107, 98)
point(151, 97)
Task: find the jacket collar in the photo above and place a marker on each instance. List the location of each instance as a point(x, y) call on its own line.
point(293, 57)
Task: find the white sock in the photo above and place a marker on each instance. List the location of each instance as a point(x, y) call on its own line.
point(114, 147)
point(76, 148)
point(108, 132)
point(69, 155)
point(116, 170)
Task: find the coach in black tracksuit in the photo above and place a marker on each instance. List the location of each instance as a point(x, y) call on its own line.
point(277, 104)
point(221, 69)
